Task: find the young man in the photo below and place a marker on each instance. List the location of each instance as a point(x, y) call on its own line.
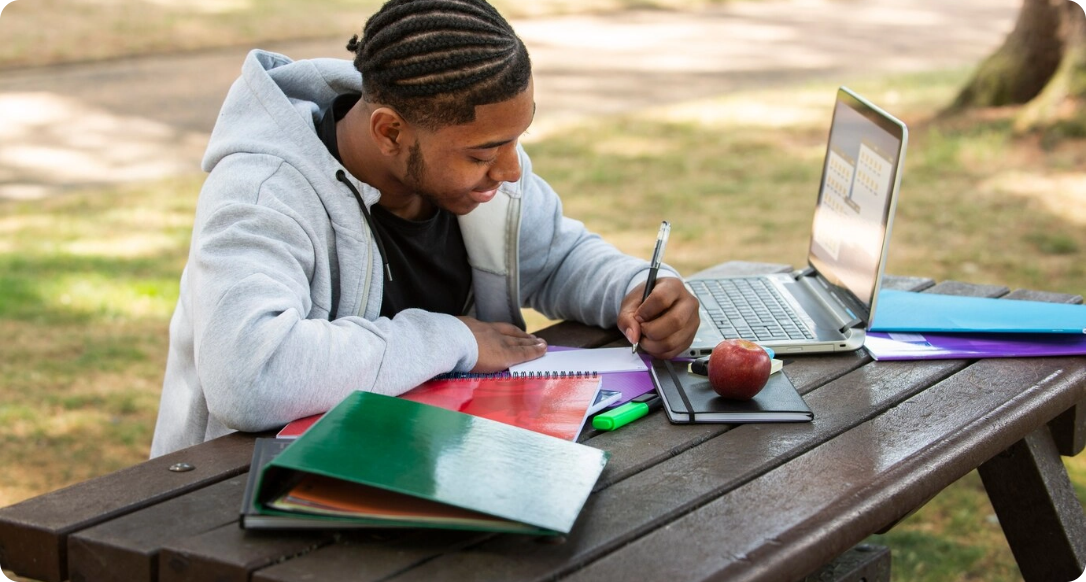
point(370, 231)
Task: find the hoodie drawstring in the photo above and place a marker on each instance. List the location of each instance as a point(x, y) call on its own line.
point(342, 177)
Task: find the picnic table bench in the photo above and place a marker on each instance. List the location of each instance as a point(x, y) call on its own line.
point(766, 502)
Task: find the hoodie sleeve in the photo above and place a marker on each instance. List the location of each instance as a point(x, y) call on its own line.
point(566, 271)
point(265, 350)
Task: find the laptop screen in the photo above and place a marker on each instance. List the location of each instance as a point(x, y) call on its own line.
point(856, 200)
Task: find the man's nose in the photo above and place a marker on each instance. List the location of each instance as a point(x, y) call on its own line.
point(507, 167)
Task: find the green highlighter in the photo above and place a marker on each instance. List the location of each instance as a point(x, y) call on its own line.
point(627, 413)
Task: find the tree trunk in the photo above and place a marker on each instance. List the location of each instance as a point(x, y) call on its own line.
point(1020, 69)
point(1060, 109)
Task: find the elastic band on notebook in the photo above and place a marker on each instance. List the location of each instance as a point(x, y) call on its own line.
point(681, 391)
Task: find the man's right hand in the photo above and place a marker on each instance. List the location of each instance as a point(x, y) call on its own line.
point(502, 345)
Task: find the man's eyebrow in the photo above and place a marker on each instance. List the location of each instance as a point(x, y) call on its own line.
point(498, 143)
point(490, 144)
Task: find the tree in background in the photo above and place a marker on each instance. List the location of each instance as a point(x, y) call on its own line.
point(1042, 65)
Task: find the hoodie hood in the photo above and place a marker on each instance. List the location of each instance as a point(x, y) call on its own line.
point(273, 109)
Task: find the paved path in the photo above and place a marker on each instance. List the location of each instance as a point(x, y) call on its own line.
point(149, 118)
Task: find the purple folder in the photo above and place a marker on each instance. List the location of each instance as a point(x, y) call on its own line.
point(630, 384)
point(950, 346)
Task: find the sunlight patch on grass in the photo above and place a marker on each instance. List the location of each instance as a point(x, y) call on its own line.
point(1061, 193)
point(86, 296)
point(19, 223)
point(98, 254)
point(809, 106)
point(808, 109)
point(109, 297)
point(205, 6)
point(632, 147)
point(140, 245)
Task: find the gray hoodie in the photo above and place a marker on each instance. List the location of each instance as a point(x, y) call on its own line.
point(278, 314)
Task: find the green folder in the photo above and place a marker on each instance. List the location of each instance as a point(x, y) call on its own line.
point(410, 462)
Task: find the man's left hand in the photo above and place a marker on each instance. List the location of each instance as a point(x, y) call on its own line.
point(665, 323)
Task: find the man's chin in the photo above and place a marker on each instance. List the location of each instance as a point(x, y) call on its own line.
point(463, 209)
point(459, 208)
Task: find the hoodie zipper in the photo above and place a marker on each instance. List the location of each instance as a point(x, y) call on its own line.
point(342, 177)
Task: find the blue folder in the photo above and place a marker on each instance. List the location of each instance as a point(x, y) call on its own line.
point(921, 312)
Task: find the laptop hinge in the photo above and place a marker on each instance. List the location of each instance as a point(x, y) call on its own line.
point(854, 323)
point(839, 309)
point(803, 273)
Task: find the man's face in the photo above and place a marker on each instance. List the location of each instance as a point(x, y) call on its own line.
point(459, 167)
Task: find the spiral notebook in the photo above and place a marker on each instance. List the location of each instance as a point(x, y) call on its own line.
point(621, 370)
point(555, 404)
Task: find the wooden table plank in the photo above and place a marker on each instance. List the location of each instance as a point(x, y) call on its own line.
point(34, 533)
point(361, 557)
point(229, 554)
point(126, 548)
point(773, 528)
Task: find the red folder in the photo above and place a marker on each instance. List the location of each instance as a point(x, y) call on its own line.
point(555, 404)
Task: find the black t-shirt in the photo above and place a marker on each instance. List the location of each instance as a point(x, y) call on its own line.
point(428, 260)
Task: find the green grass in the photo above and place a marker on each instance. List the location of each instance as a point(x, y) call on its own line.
point(88, 280)
point(87, 285)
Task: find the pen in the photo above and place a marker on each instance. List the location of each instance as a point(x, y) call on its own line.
point(654, 266)
point(628, 412)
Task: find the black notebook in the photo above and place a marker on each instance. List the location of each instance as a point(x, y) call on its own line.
point(264, 450)
point(689, 398)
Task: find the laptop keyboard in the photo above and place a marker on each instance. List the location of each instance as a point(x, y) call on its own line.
point(749, 309)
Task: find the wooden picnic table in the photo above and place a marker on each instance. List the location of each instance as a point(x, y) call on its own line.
point(772, 502)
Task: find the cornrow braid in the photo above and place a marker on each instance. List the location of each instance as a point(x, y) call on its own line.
point(435, 61)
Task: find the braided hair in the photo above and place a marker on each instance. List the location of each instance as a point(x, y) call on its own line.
point(435, 61)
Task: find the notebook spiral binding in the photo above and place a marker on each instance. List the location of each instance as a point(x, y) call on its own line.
point(508, 375)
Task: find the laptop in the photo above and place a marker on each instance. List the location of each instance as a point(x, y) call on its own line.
point(826, 306)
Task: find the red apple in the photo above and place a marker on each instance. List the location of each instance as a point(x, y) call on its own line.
point(739, 369)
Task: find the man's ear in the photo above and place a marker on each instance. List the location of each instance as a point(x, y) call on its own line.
point(388, 130)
